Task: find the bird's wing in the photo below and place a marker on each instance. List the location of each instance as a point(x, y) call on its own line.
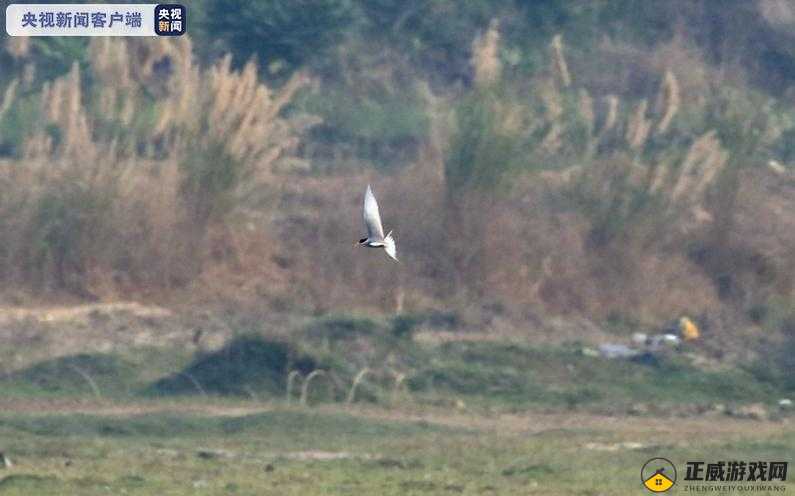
point(389, 246)
point(372, 219)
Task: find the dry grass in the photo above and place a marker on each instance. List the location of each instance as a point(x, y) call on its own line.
point(560, 194)
point(561, 68)
point(611, 204)
point(668, 101)
point(485, 58)
point(116, 190)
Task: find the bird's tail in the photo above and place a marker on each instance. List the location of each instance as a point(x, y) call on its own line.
point(389, 246)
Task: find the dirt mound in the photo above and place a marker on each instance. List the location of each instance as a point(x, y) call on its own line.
point(77, 373)
point(247, 364)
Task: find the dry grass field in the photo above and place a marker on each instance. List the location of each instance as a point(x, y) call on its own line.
point(183, 310)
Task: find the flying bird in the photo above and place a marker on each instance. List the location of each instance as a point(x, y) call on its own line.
point(375, 231)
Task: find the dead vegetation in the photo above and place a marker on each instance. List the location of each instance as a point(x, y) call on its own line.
point(560, 195)
point(116, 191)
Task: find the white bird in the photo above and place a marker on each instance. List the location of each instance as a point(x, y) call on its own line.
point(375, 231)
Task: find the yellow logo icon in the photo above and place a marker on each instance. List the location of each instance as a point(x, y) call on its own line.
point(658, 475)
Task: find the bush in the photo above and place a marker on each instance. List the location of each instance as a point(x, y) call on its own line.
point(384, 129)
point(246, 364)
point(282, 34)
point(484, 150)
point(65, 219)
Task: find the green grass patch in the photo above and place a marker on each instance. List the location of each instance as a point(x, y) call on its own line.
point(285, 427)
point(489, 376)
point(513, 376)
point(303, 452)
point(76, 374)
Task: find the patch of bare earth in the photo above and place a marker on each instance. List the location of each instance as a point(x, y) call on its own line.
point(33, 334)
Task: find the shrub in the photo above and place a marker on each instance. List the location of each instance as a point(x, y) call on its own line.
point(282, 34)
point(246, 363)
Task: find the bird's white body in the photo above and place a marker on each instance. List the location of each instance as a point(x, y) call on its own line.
point(375, 231)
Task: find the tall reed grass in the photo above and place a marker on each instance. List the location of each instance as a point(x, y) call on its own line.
point(648, 181)
point(143, 170)
point(127, 165)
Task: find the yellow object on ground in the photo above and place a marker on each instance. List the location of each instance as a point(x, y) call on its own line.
point(688, 329)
